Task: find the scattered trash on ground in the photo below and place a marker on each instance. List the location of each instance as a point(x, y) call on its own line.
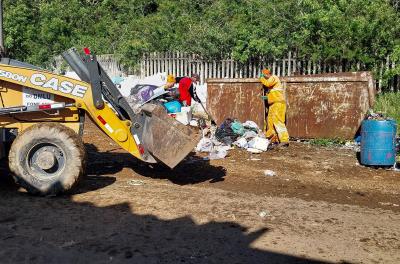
point(389, 204)
point(264, 214)
point(218, 154)
point(254, 159)
point(205, 145)
point(232, 133)
point(136, 182)
point(269, 173)
point(254, 151)
point(352, 145)
point(259, 143)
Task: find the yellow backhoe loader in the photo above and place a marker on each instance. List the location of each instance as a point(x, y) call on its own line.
point(42, 120)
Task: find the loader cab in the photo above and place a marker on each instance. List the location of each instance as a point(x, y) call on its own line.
point(7, 136)
point(2, 150)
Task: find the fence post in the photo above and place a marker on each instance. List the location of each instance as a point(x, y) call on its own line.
point(232, 67)
point(284, 67)
point(223, 65)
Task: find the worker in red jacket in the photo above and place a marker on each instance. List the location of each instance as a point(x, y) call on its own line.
point(186, 89)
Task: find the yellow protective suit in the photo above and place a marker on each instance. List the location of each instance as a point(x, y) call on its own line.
point(170, 81)
point(277, 130)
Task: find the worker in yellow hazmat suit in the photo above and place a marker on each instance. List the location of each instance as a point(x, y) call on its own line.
point(277, 131)
point(171, 80)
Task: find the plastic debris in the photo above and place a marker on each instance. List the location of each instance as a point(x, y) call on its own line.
point(225, 134)
point(241, 143)
point(375, 116)
point(249, 135)
point(218, 154)
point(237, 128)
point(254, 151)
point(218, 140)
point(146, 93)
point(254, 159)
point(117, 80)
point(352, 146)
point(259, 143)
point(269, 173)
point(135, 182)
point(173, 107)
point(264, 214)
point(251, 124)
point(222, 148)
point(194, 123)
point(184, 116)
point(205, 145)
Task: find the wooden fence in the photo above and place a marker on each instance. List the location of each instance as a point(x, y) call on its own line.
point(183, 64)
point(108, 61)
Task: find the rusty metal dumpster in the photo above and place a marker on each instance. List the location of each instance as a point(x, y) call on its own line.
point(239, 98)
point(319, 106)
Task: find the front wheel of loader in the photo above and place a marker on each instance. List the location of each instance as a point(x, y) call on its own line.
point(47, 159)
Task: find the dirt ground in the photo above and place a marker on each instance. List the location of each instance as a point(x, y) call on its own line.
point(321, 207)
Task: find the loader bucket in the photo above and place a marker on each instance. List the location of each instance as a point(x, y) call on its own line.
point(165, 138)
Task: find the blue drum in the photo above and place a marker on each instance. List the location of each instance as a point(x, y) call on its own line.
point(378, 142)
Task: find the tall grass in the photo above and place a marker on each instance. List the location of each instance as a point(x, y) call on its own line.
point(389, 104)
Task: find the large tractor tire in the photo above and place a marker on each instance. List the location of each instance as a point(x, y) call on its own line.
point(47, 159)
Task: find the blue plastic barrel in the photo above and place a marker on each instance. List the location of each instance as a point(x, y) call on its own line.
point(378, 142)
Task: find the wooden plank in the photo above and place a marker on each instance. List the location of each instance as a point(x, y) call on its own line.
point(170, 70)
point(142, 67)
point(284, 67)
point(214, 69)
point(223, 65)
point(274, 68)
point(147, 65)
point(182, 64)
point(202, 73)
point(158, 62)
point(279, 68)
point(232, 72)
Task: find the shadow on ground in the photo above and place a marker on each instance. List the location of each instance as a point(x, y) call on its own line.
point(191, 171)
point(59, 230)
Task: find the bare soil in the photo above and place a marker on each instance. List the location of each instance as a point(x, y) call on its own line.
point(320, 207)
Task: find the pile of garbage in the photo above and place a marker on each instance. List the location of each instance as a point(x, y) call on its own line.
point(218, 140)
point(152, 89)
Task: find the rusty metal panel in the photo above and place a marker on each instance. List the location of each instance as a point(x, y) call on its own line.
point(235, 98)
point(328, 105)
point(319, 106)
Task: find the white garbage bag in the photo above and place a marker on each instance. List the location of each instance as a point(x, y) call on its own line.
point(251, 124)
point(205, 145)
point(249, 135)
point(259, 143)
point(241, 143)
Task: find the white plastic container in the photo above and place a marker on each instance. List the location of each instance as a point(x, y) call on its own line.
point(185, 116)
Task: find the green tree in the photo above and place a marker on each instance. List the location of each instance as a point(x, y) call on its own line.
point(365, 31)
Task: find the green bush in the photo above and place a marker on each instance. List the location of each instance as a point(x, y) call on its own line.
point(327, 30)
point(327, 142)
point(389, 105)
